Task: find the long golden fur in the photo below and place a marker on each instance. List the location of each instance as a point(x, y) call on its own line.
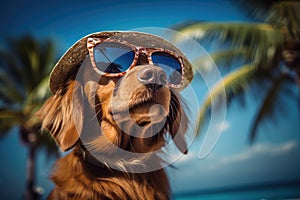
point(71, 114)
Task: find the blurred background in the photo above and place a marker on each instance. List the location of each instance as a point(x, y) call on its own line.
point(255, 46)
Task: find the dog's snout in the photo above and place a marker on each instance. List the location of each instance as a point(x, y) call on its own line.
point(152, 76)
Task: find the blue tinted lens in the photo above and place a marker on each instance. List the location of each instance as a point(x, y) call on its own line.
point(112, 57)
point(170, 65)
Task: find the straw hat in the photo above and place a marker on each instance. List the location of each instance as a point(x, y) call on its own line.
point(68, 65)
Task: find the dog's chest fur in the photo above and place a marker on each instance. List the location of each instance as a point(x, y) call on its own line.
point(76, 179)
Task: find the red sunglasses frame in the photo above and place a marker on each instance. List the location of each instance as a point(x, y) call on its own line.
point(92, 42)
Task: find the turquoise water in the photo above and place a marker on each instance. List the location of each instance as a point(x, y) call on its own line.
point(262, 193)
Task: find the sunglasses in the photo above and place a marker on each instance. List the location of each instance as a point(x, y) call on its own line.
point(113, 58)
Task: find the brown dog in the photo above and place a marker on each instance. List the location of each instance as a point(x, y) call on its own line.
point(116, 121)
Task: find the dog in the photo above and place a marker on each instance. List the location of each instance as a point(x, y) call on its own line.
point(116, 115)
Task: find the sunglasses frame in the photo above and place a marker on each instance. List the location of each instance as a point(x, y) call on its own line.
point(92, 42)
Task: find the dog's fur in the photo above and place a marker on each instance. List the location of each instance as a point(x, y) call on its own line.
point(69, 115)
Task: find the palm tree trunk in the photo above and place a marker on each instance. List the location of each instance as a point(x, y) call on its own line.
point(30, 179)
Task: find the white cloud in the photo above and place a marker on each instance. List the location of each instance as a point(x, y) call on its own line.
point(259, 150)
point(263, 162)
point(251, 153)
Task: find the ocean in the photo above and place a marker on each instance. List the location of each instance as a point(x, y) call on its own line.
point(282, 192)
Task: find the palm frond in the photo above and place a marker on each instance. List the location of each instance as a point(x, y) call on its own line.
point(48, 144)
point(10, 117)
point(233, 82)
point(34, 61)
point(255, 9)
point(40, 92)
point(285, 14)
point(47, 58)
point(10, 90)
point(25, 67)
point(279, 13)
point(263, 39)
point(223, 58)
point(27, 51)
point(20, 48)
point(239, 33)
point(36, 96)
point(42, 60)
point(267, 107)
point(11, 67)
point(260, 45)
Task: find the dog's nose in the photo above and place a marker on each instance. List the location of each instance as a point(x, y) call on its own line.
point(152, 76)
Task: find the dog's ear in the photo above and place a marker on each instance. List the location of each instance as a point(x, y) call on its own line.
point(178, 125)
point(62, 115)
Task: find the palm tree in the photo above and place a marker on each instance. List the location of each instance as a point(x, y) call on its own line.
point(263, 52)
point(25, 65)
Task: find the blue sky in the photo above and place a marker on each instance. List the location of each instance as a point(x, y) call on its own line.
point(275, 155)
point(69, 20)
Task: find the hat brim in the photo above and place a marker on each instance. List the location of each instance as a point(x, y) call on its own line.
point(67, 67)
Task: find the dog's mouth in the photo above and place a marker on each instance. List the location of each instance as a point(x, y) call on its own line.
point(149, 112)
point(142, 111)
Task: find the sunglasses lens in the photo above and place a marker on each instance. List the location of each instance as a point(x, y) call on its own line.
point(170, 65)
point(113, 57)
